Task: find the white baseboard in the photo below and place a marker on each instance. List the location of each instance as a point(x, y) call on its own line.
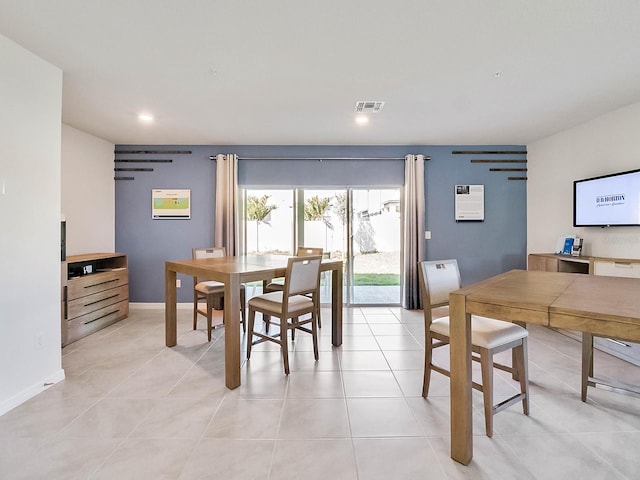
point(152, 306)
point(31, 391)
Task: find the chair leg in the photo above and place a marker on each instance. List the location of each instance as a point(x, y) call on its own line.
point(294, 321)
point(243, 301)
point(522, 368)
point(251, 320)
point(587, 362)
point(428, 356)
point(284, 345)
point(314, 336)
point(195, 311)
point(318, 316)
point(209, 315)
point(486, 363)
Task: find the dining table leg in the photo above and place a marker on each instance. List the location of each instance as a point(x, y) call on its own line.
point(587, 363)
point(460, 352)
point(171, 329)
point(232, 331)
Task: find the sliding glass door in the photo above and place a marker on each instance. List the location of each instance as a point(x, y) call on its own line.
point(360, 226)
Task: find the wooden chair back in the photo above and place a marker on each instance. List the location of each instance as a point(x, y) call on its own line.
point(309, 251)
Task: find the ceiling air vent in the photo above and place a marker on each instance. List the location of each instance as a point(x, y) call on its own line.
point(369, 107)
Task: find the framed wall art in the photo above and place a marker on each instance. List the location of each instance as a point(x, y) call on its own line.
point(170, 204)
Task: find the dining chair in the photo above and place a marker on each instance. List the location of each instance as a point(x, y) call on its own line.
point(211, 291)
point(277, 284)
point(300, 296)
point(488, 337)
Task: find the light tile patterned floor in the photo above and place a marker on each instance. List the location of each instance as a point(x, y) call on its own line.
point(132, 408)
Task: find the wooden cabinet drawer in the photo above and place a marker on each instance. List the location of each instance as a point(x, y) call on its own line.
point(91, 303)
point(96, 282)
point(616, 269)
point(82, 326)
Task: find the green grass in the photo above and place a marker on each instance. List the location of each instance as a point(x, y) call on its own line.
point(376, 279)
point(362, 279)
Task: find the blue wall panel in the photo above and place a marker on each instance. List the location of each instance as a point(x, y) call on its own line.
point(148, 242)
point(483, 249)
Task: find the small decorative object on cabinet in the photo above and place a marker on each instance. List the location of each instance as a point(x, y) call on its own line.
point(95, 293)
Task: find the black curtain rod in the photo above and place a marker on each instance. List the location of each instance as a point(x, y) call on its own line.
point(426, 157)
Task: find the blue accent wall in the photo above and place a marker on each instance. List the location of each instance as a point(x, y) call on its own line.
point(483, 249)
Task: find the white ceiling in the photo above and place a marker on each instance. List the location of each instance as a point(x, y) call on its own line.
point(289, 72)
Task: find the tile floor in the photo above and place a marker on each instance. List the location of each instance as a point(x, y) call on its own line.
point(132, 408)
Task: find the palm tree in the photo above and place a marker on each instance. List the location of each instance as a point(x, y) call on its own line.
point(315, 209)
point(258, 210)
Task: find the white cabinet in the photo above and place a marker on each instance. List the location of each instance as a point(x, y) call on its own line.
point(616, 268)
point(628, 351)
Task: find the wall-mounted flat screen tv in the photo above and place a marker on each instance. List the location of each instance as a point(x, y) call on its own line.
point(607, 201)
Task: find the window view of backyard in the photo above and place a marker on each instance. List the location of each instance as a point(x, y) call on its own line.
point(276, 221)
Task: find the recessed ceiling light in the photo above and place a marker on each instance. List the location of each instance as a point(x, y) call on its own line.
point(362, 119)
point(145, 117)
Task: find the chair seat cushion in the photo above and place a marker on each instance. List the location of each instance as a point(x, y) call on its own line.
point(209, 287)
point(272, 302)
point(275, 284)
point(485, 332)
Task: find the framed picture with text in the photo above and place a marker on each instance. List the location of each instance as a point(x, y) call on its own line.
point(469, 203)
point(170, 204)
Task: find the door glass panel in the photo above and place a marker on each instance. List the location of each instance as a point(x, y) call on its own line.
point(324, 225)
point(269, 221)
point(375, 246)
point(324, 221)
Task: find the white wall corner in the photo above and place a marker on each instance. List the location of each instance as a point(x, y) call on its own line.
point(31, 391)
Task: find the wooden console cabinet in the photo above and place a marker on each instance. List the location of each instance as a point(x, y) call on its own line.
point(612, 267)
point(95, 293)
point(548, 262)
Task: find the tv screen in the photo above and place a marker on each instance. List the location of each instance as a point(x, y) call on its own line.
point(606, 201)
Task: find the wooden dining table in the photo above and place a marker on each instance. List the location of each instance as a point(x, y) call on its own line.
point(233, 271)
point(606, 306)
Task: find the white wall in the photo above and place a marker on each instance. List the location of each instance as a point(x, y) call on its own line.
point(88, 193)
point(30, 129)
point(605, 145)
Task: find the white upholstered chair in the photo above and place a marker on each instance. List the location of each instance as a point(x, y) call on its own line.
point(488, 337)
point(211, 291)
point(277, 284)
point(299, 297)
